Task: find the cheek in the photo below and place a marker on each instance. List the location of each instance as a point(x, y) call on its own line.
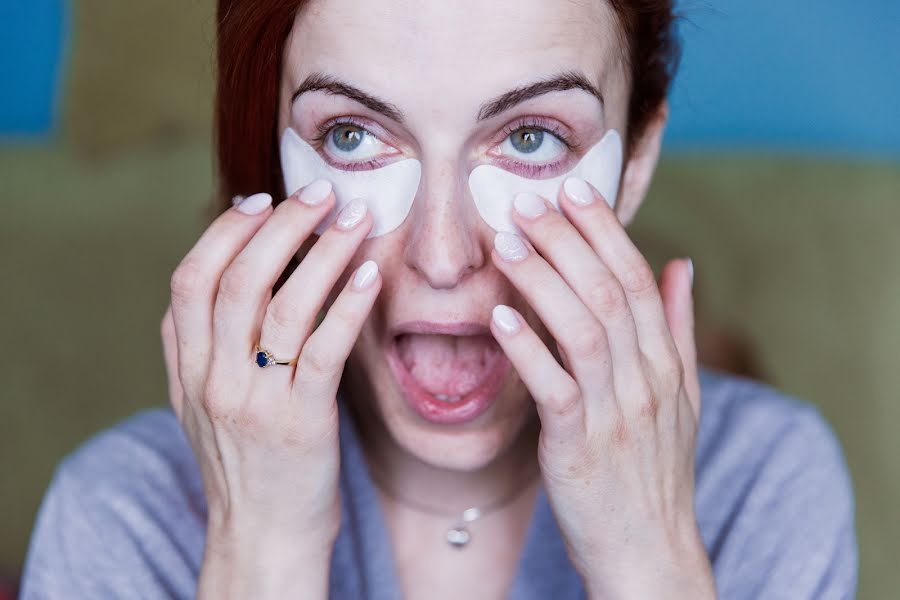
point(388, 192)
point(493, 189)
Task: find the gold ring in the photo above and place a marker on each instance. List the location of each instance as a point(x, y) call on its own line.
point(265, 359)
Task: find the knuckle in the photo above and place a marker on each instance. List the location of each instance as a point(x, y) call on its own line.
point(213, 403)
point(565, 401)
point(649, 407)
point(342, 321)
point(671, 375)
point(188, 281)
point(588, 342)
point(638, 277)
point(281, 316)
point(608, 298)
point(216, 398)
point(620, 435)
point(233, 285)
point(316, 364)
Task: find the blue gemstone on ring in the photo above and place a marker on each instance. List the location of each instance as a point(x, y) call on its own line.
point(262, 360)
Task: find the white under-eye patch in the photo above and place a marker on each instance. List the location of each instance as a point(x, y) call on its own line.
point(494, 189)
point(388, 191)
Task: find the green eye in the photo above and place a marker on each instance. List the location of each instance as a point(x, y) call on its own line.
point(347, 137)
point(526, 140)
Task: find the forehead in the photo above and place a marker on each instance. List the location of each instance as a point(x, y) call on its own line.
point(456, 54)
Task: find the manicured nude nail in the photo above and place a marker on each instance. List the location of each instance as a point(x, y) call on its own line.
point(691, 270)
point(255, 204)
point(315, 192)
point(352, 214)
point(529, 205)
point(365, 275)
point(510, 246)
point(578, 191)
point(505, 318)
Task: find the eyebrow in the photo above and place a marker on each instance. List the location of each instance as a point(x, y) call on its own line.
point(568, 80)
point(330, 85)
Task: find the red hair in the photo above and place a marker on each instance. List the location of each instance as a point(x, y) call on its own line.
point(250, 42)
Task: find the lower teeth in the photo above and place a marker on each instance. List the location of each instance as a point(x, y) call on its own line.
point(446, 398)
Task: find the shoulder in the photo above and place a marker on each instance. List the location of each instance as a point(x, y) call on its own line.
point(774, 497)
point(145, 459)
point(123, 512)
point(148, 447)
point(749, 424)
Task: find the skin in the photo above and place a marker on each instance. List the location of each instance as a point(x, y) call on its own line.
point(602, 404)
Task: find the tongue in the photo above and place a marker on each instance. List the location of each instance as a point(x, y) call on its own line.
point(448, 364)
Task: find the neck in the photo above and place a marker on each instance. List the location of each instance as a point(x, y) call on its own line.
point(446, 490)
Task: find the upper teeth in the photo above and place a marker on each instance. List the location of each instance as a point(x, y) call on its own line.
point(446, 398)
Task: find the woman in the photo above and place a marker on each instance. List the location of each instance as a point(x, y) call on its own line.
point(480, 413)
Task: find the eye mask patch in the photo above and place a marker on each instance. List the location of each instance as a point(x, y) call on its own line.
point(494, 189)
point(388, 192)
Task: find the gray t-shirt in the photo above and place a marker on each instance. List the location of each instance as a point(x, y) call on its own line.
point(125, 514)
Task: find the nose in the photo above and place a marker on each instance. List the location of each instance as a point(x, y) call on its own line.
point(443, 246)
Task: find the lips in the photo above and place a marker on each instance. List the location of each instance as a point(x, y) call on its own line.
point(450, 373)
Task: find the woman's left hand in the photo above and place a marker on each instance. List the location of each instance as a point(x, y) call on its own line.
point(619, 417)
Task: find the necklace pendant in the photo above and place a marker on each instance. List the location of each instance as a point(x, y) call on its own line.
point(458, 537)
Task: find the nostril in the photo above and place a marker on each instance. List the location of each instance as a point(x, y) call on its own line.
point(443, 246)
point(446, 276)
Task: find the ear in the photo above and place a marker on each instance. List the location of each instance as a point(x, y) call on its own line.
point(641, 165)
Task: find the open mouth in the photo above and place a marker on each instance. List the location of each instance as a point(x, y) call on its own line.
point(448, 378)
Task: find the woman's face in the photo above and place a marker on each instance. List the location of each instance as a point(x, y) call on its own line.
point(432, 81)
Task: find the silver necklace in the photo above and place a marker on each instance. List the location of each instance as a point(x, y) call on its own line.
point(458, 534)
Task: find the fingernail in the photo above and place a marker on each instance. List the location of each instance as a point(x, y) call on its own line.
point(315, 192)
point(365, 275)
point(510, 247)
point(505, 318)
point(255, 204)
point(529, 205)
point(352, 214)
point(691, 270)
point(578, 191)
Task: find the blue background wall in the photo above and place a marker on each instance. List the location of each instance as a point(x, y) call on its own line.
point(32, 40)
point(821, 76)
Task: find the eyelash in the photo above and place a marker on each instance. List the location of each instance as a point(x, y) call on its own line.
point(323, 130)
point(531, 170)
point(535, 170)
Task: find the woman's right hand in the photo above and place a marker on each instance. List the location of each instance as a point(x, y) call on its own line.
point(266, 439)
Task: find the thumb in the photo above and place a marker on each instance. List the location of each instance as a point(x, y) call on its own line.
point(170, 355)
point(676, 288)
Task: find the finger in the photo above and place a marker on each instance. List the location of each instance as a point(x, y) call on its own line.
point(291, 314)
point(579, 334)
point(322, 359)
point(601, 228)
point(170, 356)
point(196, 279)
point(557, 396)
point(246, 285)
point(573, 258)
point(676, 285)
